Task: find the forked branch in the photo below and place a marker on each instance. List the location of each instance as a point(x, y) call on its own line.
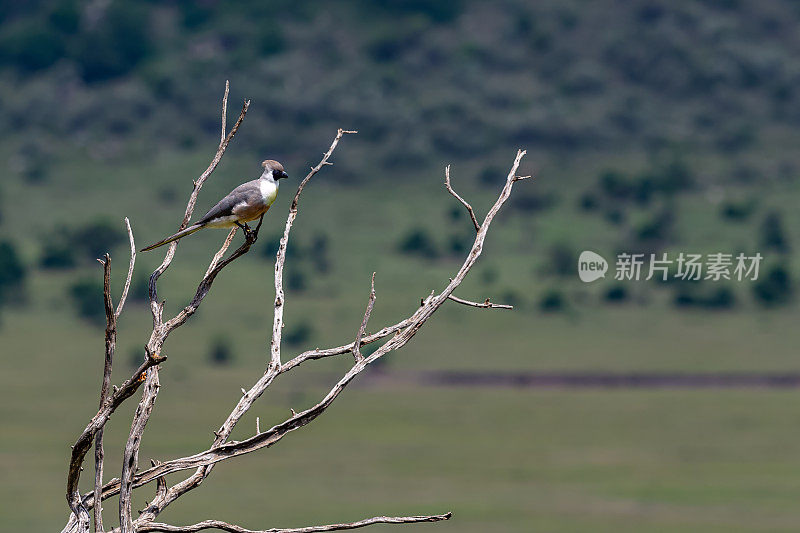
point(459, 198)
point(224, 526)
point(398, 335)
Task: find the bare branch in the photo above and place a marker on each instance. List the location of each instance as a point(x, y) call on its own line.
point(457, 197)
point(363, 328)
point(124, 296)
point(486, 304)
point(224, 112)
point(345, 348)
point(81, 446)
point(111, 341)
point(277, 323)
point(161, 483)
point(131, 456)
point(224, 526)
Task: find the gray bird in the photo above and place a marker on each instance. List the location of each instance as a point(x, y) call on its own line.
point(249, 201)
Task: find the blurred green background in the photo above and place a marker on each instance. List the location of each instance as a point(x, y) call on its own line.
point(651, 126)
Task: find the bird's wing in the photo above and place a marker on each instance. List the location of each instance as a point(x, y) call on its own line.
point(246, 192)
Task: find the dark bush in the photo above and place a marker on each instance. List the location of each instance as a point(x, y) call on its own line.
point(455, 213)
point(773, 234)
point(271, 245)
point(57, 254)
point(299, 334)
point(458, 245)
point(588, 201)
point(509, 297)
point(220, 352)
point(96, 238)
point(736, 138)
point(615, 215)
point(87, 297)
point(140, 286)
point(657, 229)
point(532, 202)
point(439, 11)
point(117, 44)
point(418, 242)
point(270, 39)
point(775, 288)
point(674, 176)
point(704, 296)
point(318, 251)
point(30, 46)
point(737, 211)
point(492, 176)
point(562, 259)
point(552, 301)
point(616, 294)
point(65, 16)
point(296, 281)
point(12, 271)
point(616, 185)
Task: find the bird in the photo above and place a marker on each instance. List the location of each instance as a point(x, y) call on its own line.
point(249, 201)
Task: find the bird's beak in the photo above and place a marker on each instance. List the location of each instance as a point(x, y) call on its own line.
point(282, 175)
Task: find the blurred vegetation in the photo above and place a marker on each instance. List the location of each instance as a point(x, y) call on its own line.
point(701, 73)
point(12, 272)
point(221, 352)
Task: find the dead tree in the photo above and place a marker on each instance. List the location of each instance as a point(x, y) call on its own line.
point(147, 375)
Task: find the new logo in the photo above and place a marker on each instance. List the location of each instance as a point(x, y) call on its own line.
point(591, 266)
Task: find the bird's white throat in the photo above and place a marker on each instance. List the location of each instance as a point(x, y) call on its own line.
point(269, 188)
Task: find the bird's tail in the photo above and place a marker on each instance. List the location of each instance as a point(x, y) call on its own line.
point(183, 233)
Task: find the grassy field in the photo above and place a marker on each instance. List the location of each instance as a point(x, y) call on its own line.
point(499, 459)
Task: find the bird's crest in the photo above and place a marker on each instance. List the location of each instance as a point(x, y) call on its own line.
point(272, 165)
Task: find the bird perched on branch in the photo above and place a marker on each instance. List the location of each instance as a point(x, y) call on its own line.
point(249, 201)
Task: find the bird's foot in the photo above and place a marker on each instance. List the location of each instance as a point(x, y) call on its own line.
point(249, 235)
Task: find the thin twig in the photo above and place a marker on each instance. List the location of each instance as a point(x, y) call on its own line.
point(224, 112)
point(125, 289)
point(363, 328)
point(224, 526)
point(459, 198)
point(486, 304)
